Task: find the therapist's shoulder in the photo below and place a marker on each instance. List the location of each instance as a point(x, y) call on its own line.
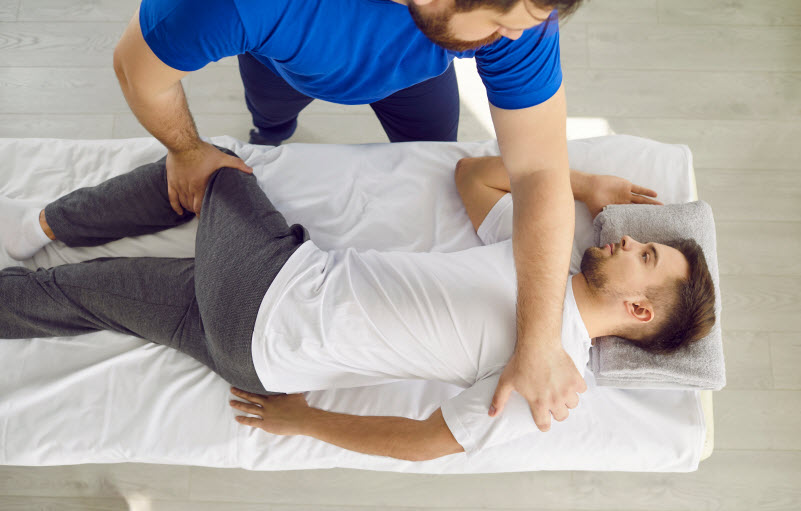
point(523, 72)
point(535, 38)
point(251, 13)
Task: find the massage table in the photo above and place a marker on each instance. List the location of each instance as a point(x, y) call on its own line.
point(105, 397)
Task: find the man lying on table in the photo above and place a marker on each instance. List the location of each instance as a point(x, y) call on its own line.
point(629, 289)
point(266, 309)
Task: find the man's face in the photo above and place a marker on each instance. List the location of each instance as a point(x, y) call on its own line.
point(462, 31)
point(624, 270)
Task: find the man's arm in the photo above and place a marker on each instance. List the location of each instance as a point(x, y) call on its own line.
point(533, 146)
point(155, 95)
point(397, 437)
point(481, 182)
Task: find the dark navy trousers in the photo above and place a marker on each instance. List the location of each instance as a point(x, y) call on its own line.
point(426, 111)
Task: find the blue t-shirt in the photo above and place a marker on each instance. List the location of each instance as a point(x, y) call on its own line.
point(345, 51)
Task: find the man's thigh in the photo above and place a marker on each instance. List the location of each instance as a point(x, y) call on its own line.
point(242, 243)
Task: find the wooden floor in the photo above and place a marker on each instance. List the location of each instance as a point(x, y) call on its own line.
point(722, 76)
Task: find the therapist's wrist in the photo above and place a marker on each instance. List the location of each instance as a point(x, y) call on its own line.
point(533, 345)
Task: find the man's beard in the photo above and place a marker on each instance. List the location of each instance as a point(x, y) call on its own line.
point(436, 28)
point(592, 264)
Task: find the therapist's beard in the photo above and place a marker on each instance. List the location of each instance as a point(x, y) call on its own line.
point(436, 28)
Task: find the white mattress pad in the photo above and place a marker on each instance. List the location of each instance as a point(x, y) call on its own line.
point(107, 397)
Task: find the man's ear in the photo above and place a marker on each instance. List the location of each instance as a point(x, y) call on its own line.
point(641, 310)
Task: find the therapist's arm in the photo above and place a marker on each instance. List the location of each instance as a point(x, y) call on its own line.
point(533, 146)
point(396, 437)
point(156, 97)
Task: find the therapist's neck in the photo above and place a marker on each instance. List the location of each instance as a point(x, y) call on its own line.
point(597, 318)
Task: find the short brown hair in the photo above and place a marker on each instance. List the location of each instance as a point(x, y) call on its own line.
point(688, 304)
point(565, 7)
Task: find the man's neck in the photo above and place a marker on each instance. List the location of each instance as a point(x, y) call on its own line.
point(595, 318)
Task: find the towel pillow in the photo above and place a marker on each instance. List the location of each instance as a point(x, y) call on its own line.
point(699, 365)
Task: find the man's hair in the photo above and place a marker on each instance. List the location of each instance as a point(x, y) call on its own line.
point(565, 7)
point(687, 305)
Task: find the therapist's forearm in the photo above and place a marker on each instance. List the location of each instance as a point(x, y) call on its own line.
point(165, 115)
point(543, 225)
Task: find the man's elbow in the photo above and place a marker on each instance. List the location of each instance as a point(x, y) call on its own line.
point(430, 454)
point(436, 442)
point(460, 173)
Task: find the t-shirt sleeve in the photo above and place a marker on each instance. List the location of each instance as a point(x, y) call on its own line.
point(466, 413)
point(466, 416)
point(524, 72)
point(497, 225)
point(188, 34)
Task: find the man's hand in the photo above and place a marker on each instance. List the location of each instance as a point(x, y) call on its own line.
point(188, 173)
point(605, 190)
point(279, 414)
point(546, 377)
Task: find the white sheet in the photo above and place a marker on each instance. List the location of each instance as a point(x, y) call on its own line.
point(106, 397)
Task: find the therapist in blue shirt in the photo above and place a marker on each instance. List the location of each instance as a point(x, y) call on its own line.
point(395, 55)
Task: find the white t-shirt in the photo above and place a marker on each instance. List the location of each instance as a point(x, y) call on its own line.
point(344, 318)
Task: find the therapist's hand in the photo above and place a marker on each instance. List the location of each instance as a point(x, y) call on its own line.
point(188, 173)
point(605, 190)
point(283, 414)
point(546, 377)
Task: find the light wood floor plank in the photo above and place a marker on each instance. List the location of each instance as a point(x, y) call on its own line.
point(767, 303)
point(96, 480)
point(723, 144)
point(726, 12)
point(86, 504)
point(748, 360)
point(707, 47)
point(728, 480)
point(62, 504)
point(751, 194)
point(55, 126)
point(683, 94)
point(620, 11)
point(40, 90)
point(759, 248)
point(336, 487)
point(758, 419)
point(8, 10)
point(86, 10)
point(573, 44)
point(58, 45)
point(785, 350)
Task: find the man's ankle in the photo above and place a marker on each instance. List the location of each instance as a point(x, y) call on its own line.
point(45, 227)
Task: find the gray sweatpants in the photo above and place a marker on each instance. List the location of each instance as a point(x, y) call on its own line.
point(204, 306)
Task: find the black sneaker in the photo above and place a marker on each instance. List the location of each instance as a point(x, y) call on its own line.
point(257, 138)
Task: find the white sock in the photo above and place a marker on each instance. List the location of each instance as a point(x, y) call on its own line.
point(20, 232)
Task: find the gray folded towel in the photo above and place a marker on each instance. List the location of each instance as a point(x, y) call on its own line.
point(699, 365)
